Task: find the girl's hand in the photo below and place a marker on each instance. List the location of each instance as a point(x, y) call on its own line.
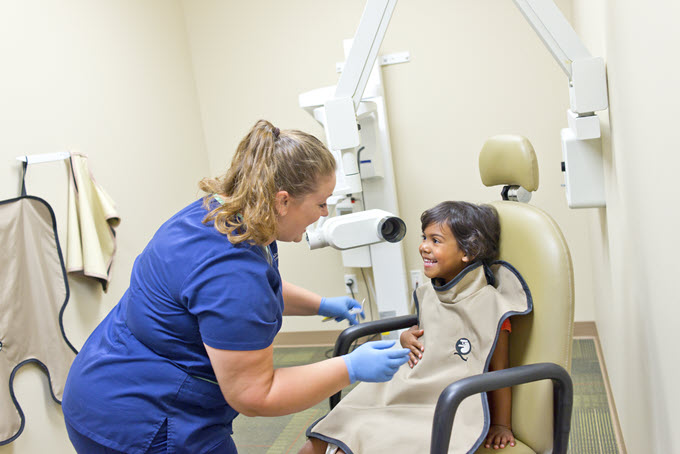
point(409, 339)
point(499, 437)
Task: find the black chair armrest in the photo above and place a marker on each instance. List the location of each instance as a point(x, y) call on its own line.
point(453, 395)
point(354, 332)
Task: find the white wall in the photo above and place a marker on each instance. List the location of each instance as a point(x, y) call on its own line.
point(477, 70)
point(634, 249)
point(113, 80)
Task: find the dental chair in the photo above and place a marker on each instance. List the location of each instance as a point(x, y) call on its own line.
point(540, 343)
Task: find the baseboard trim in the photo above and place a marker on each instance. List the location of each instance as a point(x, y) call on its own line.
point(585, 329)
point(324, 338)
point(610, 397)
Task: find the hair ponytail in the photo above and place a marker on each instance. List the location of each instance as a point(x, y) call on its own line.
point(267, 160)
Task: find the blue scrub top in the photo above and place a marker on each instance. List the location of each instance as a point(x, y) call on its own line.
point(146, 363)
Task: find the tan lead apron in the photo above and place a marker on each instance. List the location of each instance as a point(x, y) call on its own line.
point(33, 295)
point(461, 321)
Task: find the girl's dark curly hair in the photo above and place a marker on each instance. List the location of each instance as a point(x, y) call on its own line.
point(476, 227)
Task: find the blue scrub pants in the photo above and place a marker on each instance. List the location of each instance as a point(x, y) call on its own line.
point(85, 445)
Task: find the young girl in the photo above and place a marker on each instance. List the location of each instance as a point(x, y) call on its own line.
point(464, 313)
point(455, 234)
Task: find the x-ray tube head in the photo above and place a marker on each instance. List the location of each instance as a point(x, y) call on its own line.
point(392, 229)
point(357, 229)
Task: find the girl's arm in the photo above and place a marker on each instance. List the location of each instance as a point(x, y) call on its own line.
point(299, 301)
point(500, 400)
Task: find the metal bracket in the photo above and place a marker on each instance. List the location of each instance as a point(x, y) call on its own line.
point(385, 60)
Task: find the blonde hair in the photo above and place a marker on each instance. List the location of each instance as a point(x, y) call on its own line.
point(267, 160)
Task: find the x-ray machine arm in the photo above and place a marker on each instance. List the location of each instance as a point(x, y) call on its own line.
point(581, 145)
point(587, 77)
point(341, 122)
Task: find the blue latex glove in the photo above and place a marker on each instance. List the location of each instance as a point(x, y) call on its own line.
point(375, 361)
point(339, 307)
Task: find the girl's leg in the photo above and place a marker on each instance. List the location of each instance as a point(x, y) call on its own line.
point(313, 446)
point(316, 446)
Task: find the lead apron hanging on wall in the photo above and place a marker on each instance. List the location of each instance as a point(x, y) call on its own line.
point(461, 322)
point(33, 295)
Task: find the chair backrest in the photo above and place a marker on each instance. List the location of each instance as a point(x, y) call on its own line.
point(533, 243)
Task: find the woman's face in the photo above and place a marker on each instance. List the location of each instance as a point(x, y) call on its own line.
point(295, 214)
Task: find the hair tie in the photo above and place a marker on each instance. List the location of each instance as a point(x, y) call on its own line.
point(276, 131)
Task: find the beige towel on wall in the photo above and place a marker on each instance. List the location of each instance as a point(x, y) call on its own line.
point(92, 216)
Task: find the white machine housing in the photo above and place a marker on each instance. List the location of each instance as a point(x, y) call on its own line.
point(583, 170)
point(357, 229)
point(354, 117)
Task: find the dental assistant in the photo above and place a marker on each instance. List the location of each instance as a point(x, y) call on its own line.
point(189, 345)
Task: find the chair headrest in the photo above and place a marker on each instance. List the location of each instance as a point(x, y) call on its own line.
point(509, 160)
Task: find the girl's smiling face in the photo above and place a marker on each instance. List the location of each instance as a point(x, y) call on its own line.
point(442, 258)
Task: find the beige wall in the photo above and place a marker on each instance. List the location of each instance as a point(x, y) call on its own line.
point(633, 249)
point(477, 70)
point(113, 80)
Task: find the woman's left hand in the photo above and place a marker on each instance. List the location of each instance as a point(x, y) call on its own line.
point(339, 307)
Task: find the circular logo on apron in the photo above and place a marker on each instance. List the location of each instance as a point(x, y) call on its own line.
point(463, 348)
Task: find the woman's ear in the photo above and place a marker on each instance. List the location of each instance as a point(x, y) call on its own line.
point(465, 258)
point(282, 201)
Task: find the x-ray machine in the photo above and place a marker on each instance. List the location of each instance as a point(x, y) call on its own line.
point(364, 223)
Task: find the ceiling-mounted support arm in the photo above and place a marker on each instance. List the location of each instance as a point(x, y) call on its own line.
point(587, 76)
point(555, 32)
point(364, 51)
point(341, 123)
